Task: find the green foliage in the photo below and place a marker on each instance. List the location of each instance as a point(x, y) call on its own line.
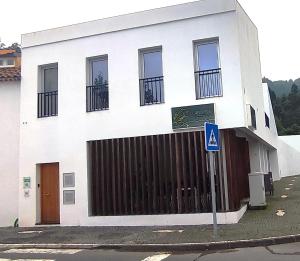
point(286, 107)
point(281, 88)
point(14, 46)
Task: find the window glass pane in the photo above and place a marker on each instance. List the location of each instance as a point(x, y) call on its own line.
point(10, 62)
point(99, 72)
point(50, 79)
point(152, 64)
point(1, 62)
point(208, 57)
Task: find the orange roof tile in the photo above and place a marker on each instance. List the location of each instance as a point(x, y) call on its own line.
point(6, 51)
point(10, 74)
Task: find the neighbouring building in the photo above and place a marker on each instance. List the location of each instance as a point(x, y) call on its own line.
point(10, 81)
point(112, 113)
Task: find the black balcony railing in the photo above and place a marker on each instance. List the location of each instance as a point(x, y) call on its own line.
point(208, 83)
point(97, 97)
point(47, 104)
point(152, 90)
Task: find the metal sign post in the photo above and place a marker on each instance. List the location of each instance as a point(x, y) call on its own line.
point(212, 170)
point(212, 145)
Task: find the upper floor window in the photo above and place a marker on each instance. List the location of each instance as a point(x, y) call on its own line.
point(7, 62)
point(48, 90)
point(251, 117)
point(97, 84)
point(207, 69)
point(267, 121)
point(151, 76)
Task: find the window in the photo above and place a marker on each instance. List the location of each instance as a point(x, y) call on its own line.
point(48, 94)
point(7, 62)
point(97, 87)
point(251, 117)
point(151, 77)
point(207, 69)
point(267, 121)
point(10, 62)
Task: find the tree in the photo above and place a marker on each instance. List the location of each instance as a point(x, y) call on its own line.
point(14, 46)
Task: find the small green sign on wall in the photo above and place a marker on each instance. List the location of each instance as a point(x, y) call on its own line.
point(193, 116)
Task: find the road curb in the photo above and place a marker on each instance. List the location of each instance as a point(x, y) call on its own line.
point(222, 245)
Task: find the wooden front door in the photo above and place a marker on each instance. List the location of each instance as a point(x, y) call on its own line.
point(50, 193)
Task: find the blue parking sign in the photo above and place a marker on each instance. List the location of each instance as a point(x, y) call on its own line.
point(212, 142)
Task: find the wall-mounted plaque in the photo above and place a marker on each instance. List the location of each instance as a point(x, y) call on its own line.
point(193, 116)
point(26, 182)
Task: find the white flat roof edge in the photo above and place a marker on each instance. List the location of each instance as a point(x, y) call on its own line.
point(129, 21)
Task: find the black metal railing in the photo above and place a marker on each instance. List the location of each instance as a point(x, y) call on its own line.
point(47, 104)
point(152, 90)
point(97, 97)
point(208, 83)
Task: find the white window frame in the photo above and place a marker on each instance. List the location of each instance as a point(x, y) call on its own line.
point(142, 62)
point(42, 68)
point(196, 53)
point(90, 60)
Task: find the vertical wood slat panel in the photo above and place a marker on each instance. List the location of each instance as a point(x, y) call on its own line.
point(184, 175)
point(101, 163)
point(178, 172)
point(191, 172)
point(124, 177)
point(172, 168)
point(113, 175)
point(136, 174)
point(142, 171)
point(94, 180)
point(197, 172)
point(150, 175)
point(107, 172)
point(119, 190)
point(160, 174)
point(154, 175)
point(205, 187)
point(98, 181)
point(130, 172)
point(165, 161)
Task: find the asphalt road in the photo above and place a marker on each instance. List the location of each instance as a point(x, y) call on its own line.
point(288, 252)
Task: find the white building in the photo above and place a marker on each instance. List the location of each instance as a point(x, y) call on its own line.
point(97, 141)
point(10, 81)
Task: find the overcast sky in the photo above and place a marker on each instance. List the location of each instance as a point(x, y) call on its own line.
point(277, 21)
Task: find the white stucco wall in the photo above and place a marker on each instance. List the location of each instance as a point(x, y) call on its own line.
point(289, 159)
point(9, 151)
point(255, 93)
point(63, 138)
point(292, 140)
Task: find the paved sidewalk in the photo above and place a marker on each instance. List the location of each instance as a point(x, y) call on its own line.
point(256, 224)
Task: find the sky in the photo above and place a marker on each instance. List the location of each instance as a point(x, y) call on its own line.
point(277, 22)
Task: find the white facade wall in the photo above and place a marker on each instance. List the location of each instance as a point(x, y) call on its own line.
point(292, 140)
point(289, 159)
point(9, 151)
point(63, 138)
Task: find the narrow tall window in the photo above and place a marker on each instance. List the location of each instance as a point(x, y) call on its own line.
point(48, 91)
point(207, 70)
point(151, 77)
point(97, 88)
